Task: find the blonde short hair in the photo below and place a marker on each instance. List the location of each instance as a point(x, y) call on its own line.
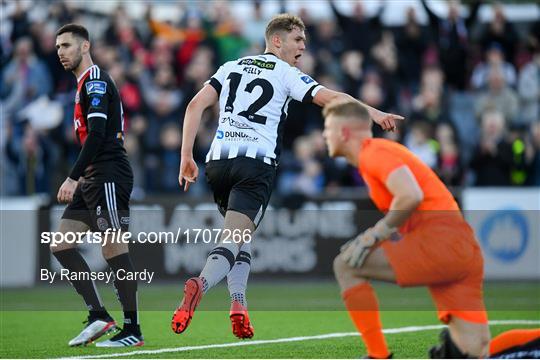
point(283, 22)
point(348, 109)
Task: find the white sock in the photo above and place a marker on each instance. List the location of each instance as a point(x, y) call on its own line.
point(218, 264)
point(238, 276)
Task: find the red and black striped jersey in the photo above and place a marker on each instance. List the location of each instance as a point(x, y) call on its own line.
point(98, 109)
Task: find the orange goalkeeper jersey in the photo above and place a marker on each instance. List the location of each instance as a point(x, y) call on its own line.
point(379, 157)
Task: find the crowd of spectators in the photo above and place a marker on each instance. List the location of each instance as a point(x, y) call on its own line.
point(470, 91)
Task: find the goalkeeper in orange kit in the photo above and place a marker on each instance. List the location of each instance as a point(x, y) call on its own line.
point(422, 240)
point(516, 344)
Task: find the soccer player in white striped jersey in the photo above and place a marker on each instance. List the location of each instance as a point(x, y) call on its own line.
point(253, 93)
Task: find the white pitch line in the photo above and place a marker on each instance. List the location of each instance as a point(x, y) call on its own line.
point(292, 339)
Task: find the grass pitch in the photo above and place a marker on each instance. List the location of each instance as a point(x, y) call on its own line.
point(38, 323)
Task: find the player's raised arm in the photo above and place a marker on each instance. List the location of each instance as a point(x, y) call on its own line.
point(386, 120)
point(205, 98)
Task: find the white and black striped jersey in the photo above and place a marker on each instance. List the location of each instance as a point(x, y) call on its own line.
point(254, 95)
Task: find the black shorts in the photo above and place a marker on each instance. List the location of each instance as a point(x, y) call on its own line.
point(241, 184)
point(101, 206)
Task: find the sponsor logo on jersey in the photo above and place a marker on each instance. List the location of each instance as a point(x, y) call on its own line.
point(96, 87)
point(125, 220)
point(307, 79)
point(95, 101)
point(236, 124)
point(235, 136)
point(268, 65)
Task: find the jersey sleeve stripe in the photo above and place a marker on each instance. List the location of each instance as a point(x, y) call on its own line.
point(94, 72)
point(215, 84)
point(96, 114)
point(308, 97)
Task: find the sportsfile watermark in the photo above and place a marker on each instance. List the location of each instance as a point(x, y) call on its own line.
point(292, 255)
point(112, 236)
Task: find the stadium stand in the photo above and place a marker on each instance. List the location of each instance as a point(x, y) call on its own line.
point(159, 63)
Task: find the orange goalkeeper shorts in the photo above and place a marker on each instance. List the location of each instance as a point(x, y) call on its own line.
point(442, 254)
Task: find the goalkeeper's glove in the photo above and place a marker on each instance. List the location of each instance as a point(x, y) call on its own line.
point(355, 251)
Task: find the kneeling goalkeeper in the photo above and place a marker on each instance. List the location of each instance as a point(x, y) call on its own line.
point(422, 240)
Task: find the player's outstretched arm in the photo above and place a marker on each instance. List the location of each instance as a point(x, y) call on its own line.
point(205, 98)
point(386, 120)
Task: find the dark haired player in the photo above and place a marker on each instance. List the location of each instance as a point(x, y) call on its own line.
point(97, 189)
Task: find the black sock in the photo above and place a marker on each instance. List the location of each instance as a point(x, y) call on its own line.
point(73, 261)
point(126, 290)
point(447, 349)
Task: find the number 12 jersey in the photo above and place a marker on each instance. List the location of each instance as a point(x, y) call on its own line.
point(254, 95)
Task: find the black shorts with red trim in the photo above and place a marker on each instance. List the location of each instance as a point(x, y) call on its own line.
point(101, 206)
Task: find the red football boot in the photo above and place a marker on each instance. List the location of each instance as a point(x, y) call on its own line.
point(241, 326)
point(193, 291)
